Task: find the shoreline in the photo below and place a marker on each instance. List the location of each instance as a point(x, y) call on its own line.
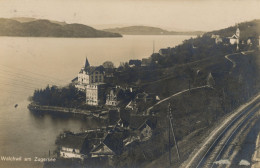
point(65, 110)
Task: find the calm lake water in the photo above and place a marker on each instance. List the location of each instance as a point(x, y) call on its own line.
point(30, 63)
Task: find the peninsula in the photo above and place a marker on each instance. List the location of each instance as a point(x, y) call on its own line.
point(45, 28)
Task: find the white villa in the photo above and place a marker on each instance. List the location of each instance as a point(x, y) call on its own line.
point(88, 75)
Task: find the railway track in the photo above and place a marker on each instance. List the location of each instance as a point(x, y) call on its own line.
point(217, 143)
point(220, 144)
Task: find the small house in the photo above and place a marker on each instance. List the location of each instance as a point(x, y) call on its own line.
point(145, 97)
point(135, 63)
point(165, 51)
point(218, 40)
point(112, 145)
point(235, 38)
point(144, 127)
point(249, 42)
point(73, 146)
point(146, 62)
point(112, 96)
point(141, 102)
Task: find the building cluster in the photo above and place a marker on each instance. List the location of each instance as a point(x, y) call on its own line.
point(114, 139)
point(106, 142)
point(91, 80)
point(235, 39)
point(94, 81)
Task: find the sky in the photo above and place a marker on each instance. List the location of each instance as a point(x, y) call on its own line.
point(204, 15)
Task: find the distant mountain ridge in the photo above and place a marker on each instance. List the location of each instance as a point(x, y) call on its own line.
point(46, 28)
point(28, 19)
point(147, 30)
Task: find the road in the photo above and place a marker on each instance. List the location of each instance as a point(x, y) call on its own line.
point(229, 59)
point(176, 94)
point(234, 64)
point(217, 148)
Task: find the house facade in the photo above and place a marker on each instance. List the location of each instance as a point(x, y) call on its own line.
point(112, 97)
point(67, 152)
point(95, 94)
point(73, 146)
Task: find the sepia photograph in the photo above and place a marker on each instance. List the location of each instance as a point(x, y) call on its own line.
point(129, 83)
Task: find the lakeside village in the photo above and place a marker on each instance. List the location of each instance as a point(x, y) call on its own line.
point(122, 104)
point(107, 101)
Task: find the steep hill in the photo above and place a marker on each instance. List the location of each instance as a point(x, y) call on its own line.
point(146, 30)
point(46, 28)
point(196, 111)
point(247, 30)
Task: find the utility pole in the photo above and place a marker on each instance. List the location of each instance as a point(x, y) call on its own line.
point(169, 134)
point(173, 134)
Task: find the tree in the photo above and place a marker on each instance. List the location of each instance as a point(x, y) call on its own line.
point(108, 64)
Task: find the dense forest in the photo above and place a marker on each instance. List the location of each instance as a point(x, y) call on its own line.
point(54, 96)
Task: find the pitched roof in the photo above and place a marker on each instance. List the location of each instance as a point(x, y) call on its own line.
point(114, 141)
point(92, 69)
point(86, 63)
point(234, 36)
point(75, 79)
point(137, 122)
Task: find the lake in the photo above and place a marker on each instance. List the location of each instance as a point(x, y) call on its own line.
point(27, 64)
